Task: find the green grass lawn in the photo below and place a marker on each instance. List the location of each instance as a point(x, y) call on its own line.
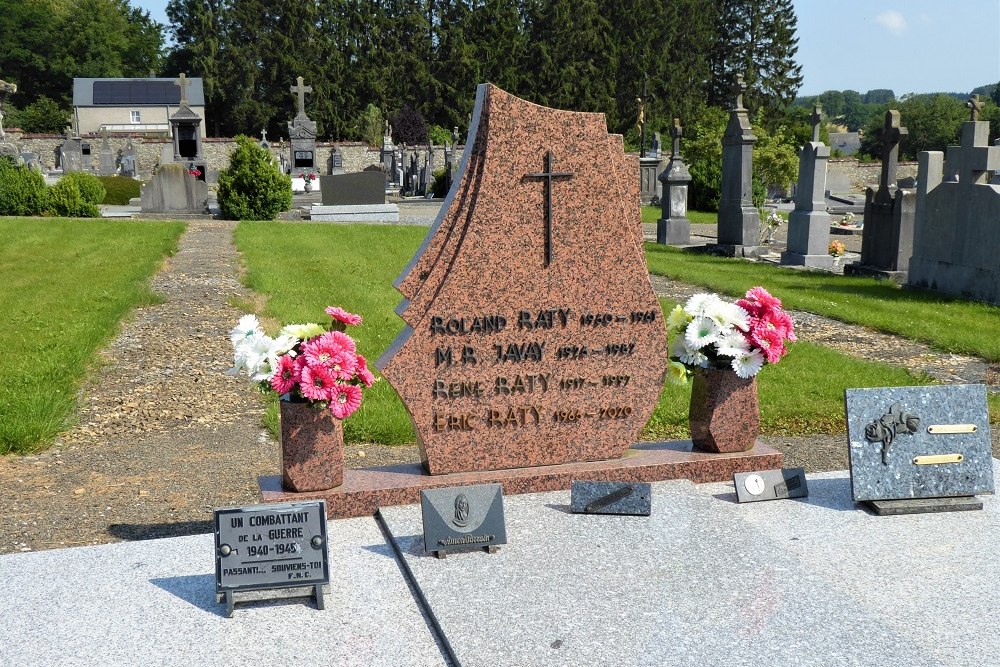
point(653, 213)
point(303, 268)
point(64, 286)
point(952, 325)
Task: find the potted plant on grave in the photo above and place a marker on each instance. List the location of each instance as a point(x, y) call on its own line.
point(723, 345)
point(307, 179)
point(318, 374)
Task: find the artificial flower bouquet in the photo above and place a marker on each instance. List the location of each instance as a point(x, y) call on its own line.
point(836, 248)
point(708, 332)
point(307, 361)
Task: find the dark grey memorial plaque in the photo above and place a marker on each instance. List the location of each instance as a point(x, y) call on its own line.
point(463, 518)
point(633, 498)
point(360, 188)
point(770, 485)
point(918, 443)
point(269, 547)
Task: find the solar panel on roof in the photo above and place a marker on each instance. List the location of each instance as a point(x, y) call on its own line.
point(136, 92)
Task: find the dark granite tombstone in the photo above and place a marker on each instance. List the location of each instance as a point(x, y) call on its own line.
point(360, 188)
point(957, 227)
point(887, 237)
point(302, 135)
point(917, 444)
point(739, 221)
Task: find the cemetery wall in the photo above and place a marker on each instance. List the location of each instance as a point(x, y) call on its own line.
point(216, 151)
point(847, 174)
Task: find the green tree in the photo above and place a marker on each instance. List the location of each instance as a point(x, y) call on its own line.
point(933, 123)
point(43, 116)
point(199, 31)
point(756, 38)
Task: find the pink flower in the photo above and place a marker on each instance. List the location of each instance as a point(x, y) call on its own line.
point(286, 376)
point(342, 315)
point(367, 377)
point(343, 365)
point(321, 349)
point(344, 400)
point(317, 383)
point(761, 296)
point(768, 340)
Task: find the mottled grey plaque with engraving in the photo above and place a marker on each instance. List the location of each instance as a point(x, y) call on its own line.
point(631, 498)
point(770, 485)
point(463, 518)
point(919, 442)
point(283, 545)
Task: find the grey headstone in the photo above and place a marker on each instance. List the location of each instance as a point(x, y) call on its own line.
point(363, 187)
point(809, 223)
point(891, 432)
point(770, 485)
point(463, 518)
point(173, 189)
point(739, 221)
point(673, 227)
point(633, 498)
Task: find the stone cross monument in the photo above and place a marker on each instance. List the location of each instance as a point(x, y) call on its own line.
point(673, 227)
point(302, 134)
point(809, 223)
point(887, 236)
point(739, 222)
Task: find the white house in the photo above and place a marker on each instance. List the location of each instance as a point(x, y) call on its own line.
point(133, 105)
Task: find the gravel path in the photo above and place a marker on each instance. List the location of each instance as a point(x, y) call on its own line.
point(164, 435)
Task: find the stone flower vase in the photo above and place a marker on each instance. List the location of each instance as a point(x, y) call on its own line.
point(312, 446)
point(308, 186)
point(725, 413)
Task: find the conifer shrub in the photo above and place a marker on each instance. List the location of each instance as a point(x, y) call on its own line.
point(66, 199)
point(89, 185)
point(119, 189)
point(22, 191)
point(252, 187)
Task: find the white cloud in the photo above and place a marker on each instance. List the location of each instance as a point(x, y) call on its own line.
point(893, 21)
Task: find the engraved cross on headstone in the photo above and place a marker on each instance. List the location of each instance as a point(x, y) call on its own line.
point(182, 83)
point(974, 106)
point(892, 134)
point(548, 175)
point(676, 132)
point(816, 118)
point(301, 91)
point(739, 89)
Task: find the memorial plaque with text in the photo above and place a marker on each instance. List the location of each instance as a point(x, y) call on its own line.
point(271, 546)
point(534, 336)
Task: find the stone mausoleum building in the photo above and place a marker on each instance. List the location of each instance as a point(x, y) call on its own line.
point(132, 105)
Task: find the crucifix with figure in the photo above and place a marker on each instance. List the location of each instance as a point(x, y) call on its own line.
point(892, 134)
point(548, 175)
point(301, 91)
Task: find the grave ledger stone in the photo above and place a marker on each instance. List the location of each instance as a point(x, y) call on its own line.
point(358, 197)
point(887, 237)
point(520, 349)
point(739, 221)
point(809, 223)
point(956, 242)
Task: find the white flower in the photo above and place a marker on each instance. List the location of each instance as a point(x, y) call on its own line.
point(679, 350)
point(729, 315)
point(247, 326)
point(697, 304)
point(748, 364)
point(732, 344)
point(702, 331)
point(252, 356)
point(302, 331)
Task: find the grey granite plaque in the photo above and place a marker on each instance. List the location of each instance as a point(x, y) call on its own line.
point(919, 442)
point(463, 518)
point(632, 498)
point(770, 485)
point(363, 187)
point(271, 546)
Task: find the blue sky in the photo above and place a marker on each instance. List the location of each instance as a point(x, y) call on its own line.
point(910, 46)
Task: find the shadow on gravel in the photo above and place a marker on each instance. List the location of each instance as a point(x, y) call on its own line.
point(152, 531)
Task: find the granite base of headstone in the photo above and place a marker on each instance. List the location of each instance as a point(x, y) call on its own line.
point(174, 190)
point(929, 444)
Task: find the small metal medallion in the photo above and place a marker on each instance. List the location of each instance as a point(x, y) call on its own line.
point(885, 428)
point(770, 485)
point(461, 511)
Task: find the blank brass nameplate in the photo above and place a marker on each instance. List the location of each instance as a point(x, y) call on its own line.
point(931, 459)
point(944, 429)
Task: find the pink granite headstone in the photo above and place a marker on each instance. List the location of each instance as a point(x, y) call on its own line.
point(533, 334)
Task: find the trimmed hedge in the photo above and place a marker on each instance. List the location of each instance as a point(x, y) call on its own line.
point(119, 189)
point(91, 189)
point(67, 199)
point(252, 187)
point(22, 191)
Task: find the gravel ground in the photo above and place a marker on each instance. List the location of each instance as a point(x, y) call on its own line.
point(163, 435)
